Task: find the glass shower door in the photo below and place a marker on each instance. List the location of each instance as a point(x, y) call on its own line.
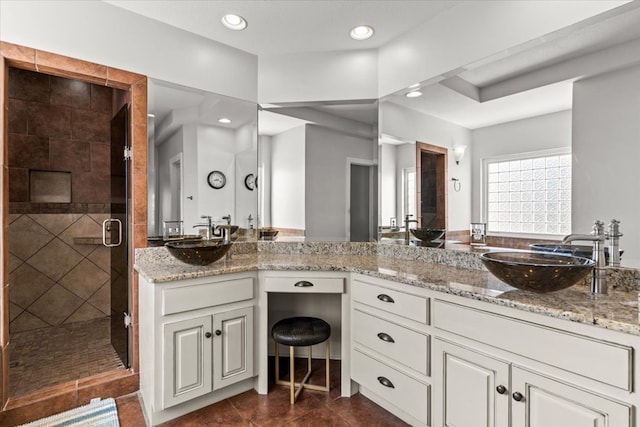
point(115, 234)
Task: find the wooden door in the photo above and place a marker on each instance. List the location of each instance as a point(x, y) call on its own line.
point(187, 360)
point(474, 388)
point(232, 347)
point(544, 402)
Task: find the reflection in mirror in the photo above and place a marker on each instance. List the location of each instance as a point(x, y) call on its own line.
point(522, 114)
point(202, 153)
point(318, 171)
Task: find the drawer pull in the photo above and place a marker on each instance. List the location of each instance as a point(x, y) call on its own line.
point(385, 337)
point(517, 396)
point(385, 298)
point(385, 382)
point(501, 389)
point(207, 334)
point(303, 284)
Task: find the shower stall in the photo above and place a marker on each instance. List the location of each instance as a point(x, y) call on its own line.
point(67, 230)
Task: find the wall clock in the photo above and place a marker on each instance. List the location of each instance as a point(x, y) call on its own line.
point(250, 182)
point(216, 180)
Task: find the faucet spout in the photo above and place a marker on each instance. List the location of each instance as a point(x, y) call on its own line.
point(598, 237)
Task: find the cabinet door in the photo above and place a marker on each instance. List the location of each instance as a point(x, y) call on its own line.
point(545, 402)
point(187, 360)
point(473, 388)
point(232, 347)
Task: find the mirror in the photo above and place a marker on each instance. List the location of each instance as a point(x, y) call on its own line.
point(318, 170)
point(572, 91)
point(202, 160)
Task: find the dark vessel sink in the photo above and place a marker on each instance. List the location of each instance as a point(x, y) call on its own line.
point(268, 234)
point(585, 251)
point(427, 234)
point(537, 271)
point(202, 252)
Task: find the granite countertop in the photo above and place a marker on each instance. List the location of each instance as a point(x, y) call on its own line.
point(616, 311)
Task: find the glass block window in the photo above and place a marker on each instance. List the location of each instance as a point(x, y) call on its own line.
point(529, 195)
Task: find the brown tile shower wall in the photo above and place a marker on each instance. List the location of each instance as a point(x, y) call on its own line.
point(62, 125)
point(59, 271)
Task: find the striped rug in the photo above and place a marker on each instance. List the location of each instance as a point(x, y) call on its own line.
point(98, 413)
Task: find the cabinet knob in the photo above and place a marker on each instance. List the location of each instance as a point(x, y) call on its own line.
point(385, 298)
point(385, 382)
point(385, 337)
point(218, 332)
point(501, 389)
point(207, 335)
point(517, 396)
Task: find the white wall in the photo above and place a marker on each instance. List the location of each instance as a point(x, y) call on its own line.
point(405, 159)
point(264, 180)
point(171, 147)
point(388, 182)
point(216, 151)
point(246, 163)
point(326, 180)
point(606, 156)
point(319, 76)
point(521, 136)
point(471, 31)
point(411, 125)
point(288, 179)
point(101, 33)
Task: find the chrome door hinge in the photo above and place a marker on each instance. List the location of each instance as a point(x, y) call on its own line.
point(127, 320)
point(127, 153)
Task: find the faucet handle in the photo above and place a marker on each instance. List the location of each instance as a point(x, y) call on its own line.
point(598, 228)
point(205, 216)
point(614, 228)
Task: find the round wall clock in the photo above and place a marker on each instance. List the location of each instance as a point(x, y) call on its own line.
point(250, 182)
point(216, 180)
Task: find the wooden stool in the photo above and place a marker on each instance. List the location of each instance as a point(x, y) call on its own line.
point(298, 332)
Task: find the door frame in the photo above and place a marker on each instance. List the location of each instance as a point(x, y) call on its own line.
point(135, 87)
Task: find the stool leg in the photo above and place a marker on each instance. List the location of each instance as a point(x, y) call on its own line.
point(327, 359)
point(292, 380)
point(277, 363)
point(309, 360)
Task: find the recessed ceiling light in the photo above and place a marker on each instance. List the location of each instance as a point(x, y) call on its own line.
point(414, 86)
point(224, 120)
point(413, 94)
point(234, 22)
point(361, 32)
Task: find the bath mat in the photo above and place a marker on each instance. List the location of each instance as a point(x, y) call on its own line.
point(98, 413)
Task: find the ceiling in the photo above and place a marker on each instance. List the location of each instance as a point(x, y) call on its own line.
point(290, 26)
point(287, 26)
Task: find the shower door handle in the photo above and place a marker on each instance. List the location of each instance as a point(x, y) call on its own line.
point(106, 227)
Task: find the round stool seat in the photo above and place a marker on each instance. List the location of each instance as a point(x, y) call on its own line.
point(301, 331)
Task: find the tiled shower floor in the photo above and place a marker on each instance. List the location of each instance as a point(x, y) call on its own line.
point(49, 356)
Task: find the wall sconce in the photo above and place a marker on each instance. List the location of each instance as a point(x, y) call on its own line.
point(458, 152)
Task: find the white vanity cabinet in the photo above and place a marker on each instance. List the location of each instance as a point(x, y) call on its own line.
point(196, 343)
point(537, 376)
point(390, 346)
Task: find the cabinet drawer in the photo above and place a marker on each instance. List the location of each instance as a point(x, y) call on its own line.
point(185, 298)
point(410, 306)
point(603, 361)
point(396, 342)
point(400, 390)
point(316, 285)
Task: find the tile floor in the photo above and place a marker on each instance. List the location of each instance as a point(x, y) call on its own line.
point(313, 408)
point(44, 357)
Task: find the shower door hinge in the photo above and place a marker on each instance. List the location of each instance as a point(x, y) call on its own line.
point(127, 320)
point(127, 153)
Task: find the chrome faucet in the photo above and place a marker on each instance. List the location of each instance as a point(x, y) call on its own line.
point(598, 237)
point(207, 226)
point(407, 221)
point(613, 236)
point(227, 218)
